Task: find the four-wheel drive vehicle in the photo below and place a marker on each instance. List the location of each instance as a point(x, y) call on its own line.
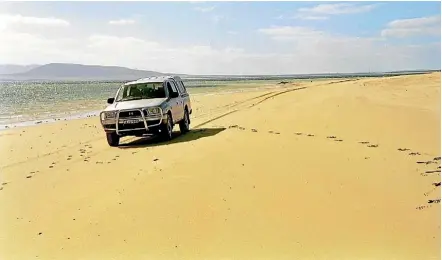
point(147, 106)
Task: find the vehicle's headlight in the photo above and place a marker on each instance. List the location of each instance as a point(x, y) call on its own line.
point(153, 110)
point(108, 115)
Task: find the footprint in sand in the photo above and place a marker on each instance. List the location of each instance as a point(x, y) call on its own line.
point(254, 130)
point(403, 149)
point(233, 126)
point(427, 162)
point(426, 194)
point(241, 128)
point(434, 201)
point(423, 207)
point(298, 133)
point(364, 142)
point(436, 159)
point(414, 153)
point(436, 185)
point(339, 140)
point(427, 173)
point(310, 135)
point(372, 145)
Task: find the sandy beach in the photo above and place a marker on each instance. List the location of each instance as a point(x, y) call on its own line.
point(336, 169)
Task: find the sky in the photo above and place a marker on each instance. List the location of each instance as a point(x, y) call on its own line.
point(240, 38)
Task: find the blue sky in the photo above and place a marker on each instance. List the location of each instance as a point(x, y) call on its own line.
point(225, 37)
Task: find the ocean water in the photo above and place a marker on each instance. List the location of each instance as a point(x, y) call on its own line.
point(23, 103)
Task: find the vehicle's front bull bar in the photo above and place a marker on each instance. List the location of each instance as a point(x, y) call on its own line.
point(143, 118)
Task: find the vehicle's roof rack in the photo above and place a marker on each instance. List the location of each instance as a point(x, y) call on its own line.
point(150, 79)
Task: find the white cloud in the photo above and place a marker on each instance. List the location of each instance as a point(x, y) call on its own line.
point(122, 22)
point(217, 18)
point(9, 19)
point(413, 27)
point(204, 9)
point(321, 51)
point(341, 8)
point(311, 17)
point(290, 32)
point(232, 32)
point(323, 11)
point(294, 50)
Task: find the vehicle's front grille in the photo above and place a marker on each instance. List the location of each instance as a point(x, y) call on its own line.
point(130, 114)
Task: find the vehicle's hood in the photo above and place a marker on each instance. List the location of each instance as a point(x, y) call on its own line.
point(136, 104)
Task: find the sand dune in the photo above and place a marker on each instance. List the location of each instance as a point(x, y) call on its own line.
point(322, 170)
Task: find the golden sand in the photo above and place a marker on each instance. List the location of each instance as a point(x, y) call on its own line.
point(317, 170)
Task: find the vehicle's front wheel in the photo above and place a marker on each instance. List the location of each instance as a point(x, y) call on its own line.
point(166, 129)
point(185, 123)
point(112, 139)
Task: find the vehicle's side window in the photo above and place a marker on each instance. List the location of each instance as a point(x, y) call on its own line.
point(179, 87)
point(182, 87)
point(171, 87)
point(174, 89)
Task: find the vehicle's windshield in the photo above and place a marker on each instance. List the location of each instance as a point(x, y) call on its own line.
point(141, 91)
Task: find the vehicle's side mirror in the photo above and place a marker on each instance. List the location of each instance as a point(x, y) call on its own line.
point(174, 94)
point(110, 100)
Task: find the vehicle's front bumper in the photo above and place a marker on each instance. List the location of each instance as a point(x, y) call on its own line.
point(144, 124)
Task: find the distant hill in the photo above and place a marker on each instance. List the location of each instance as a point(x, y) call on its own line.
point(12, 69)
point(67, 71)
point(78, 72)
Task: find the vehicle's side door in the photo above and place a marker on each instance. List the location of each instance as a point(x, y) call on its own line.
point(184, 95)
point(174, 102)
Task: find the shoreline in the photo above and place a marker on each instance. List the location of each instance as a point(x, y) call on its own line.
point(75, 116)
point(91, 113)
point(229, 88)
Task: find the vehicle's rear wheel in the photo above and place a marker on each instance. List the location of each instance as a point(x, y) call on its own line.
point(166, 129)
point(112, 139)
point(185, 123)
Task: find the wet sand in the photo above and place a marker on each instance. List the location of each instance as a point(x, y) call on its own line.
point(339, 169)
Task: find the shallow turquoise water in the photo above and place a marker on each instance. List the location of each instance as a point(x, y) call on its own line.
point(31, 101)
